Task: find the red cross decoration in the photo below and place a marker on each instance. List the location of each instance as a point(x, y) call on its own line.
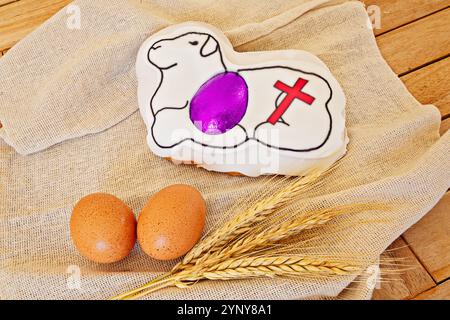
point(292, 93)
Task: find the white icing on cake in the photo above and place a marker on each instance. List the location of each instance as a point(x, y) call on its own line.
point(175, 63)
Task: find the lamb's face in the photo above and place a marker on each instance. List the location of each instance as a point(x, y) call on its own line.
point(184, 49)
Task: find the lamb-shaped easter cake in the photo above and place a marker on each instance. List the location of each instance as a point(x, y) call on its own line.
point(253, 113)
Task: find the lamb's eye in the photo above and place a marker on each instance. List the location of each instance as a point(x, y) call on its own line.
point(194, 43)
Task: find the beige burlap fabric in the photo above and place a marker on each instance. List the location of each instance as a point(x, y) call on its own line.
point(71, 127)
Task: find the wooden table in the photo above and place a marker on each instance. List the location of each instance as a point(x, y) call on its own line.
point(414, 38)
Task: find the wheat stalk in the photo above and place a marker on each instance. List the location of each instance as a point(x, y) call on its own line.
point(292, 227)
point(275, 265)
point(266, 236)
point(265, 266)
point(242, 222)
point(251, 267)
point(271, 235)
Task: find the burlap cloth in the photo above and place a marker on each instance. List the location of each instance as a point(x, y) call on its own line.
point(71, 127)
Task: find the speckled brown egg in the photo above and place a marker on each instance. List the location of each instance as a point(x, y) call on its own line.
point(171, 222)
point(103, 228)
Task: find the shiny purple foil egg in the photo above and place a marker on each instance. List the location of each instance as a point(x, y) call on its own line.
point(220, 103)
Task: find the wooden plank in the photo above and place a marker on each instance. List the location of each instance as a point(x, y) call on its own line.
point(445, 125)
point(440, 292)
point(430, 241)
point(417, 44)
point(431, 85)
point(407, 284)
point(396, 13)
point(21, 17)
point(5, 2)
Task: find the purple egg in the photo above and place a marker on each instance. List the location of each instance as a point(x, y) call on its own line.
point(220, 103)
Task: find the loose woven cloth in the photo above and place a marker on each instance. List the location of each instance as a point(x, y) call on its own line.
point(71, 126)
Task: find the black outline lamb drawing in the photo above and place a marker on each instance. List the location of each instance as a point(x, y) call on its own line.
point(188, 60)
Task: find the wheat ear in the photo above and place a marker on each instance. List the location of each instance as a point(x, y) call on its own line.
point(243, 221)
point(271, 235)
point(284, 230)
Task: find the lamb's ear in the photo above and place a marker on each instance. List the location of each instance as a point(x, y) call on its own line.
point(209, 47)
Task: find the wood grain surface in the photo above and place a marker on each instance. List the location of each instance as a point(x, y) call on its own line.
point(431, 85)
point(427, 40)
point(445, 125)
point(19, 18)
point(440, 292)
point(396, 13)
point(414, 38)
point(407, 284)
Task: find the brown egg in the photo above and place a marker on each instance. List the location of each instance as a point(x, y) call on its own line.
point(171, 222)
point(103, 228)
